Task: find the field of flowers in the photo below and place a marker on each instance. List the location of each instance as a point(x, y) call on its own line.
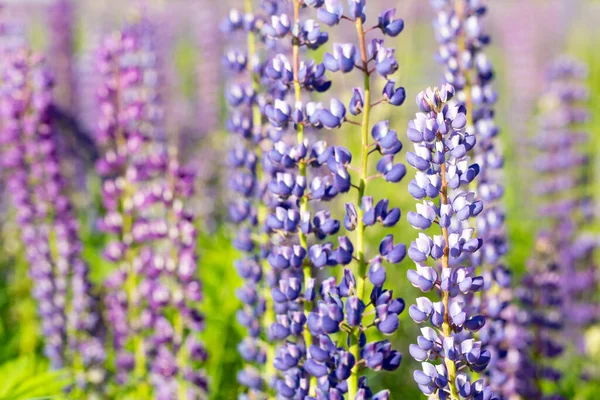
point(299, 199)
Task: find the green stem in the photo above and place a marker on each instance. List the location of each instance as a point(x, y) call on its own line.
point(308, 339)
point(182, 361)
point(362, 186)
point(262, 211)
point(462, 47)
point(446, 328)
point(142, 388)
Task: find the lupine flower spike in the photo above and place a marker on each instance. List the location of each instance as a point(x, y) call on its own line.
point(327, 342)
point(153, 294)
point(249, 94)
point(541, 311)
point(446, 348)
point(70, 319)
point(561, 274)
point(462, 38)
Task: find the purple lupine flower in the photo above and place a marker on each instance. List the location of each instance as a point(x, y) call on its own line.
point(541, 304)
point(290, 223)
point(253, 100)
point(557, 290)
point(441, 147)
point(153, 296)
point(313, 362)
point(563, 167)
point(69, 315)
point(460, 32)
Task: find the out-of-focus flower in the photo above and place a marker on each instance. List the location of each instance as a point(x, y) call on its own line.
point(154, 293)
point(70, 319)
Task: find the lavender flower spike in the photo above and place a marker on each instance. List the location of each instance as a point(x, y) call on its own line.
point(557, 291)
point(462, 38)
point(255, 182)
point(314, 361)
point(541, 312)
point(69, 315)
point(441, 145)
point(153, 294)
point(298, 233)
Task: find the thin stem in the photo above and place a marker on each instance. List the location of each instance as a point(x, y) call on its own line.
point(182, 387)
point(352, 122)
point(307, 269)
point(378, 102)
point(362, 186)
point(447, 329)
point(262, 211)
point(462, 47)
point(142, 387)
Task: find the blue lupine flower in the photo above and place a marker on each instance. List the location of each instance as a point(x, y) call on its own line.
point(441, 141)
point(343, 58)
point(462, 39)
point(388, 25)
point(311, 362)
point(330, 12)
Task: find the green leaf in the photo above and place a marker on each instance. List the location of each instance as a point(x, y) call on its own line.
point(28, 378)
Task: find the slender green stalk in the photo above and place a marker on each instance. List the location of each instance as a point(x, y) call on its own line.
point(142, 388)
point(178, 321)
point(178, 324)
point(308, 306)
point(362, 187)
point(462, 47)
point(262, 211)
point(446, 328)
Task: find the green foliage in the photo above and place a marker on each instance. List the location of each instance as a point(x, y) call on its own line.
point(222, 335)
point(185, 58)
point(29, 378)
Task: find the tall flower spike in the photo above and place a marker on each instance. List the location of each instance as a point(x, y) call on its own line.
point(298, 235)
point(462, 38)
point(327, 347)
point(153, 294)
point(250, 93)
point(541, 304)
point(561, 278)
point(441, 145)
point(565, 168)
point(69, 315)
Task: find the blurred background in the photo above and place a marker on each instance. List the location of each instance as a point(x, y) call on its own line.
point(526, 36)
